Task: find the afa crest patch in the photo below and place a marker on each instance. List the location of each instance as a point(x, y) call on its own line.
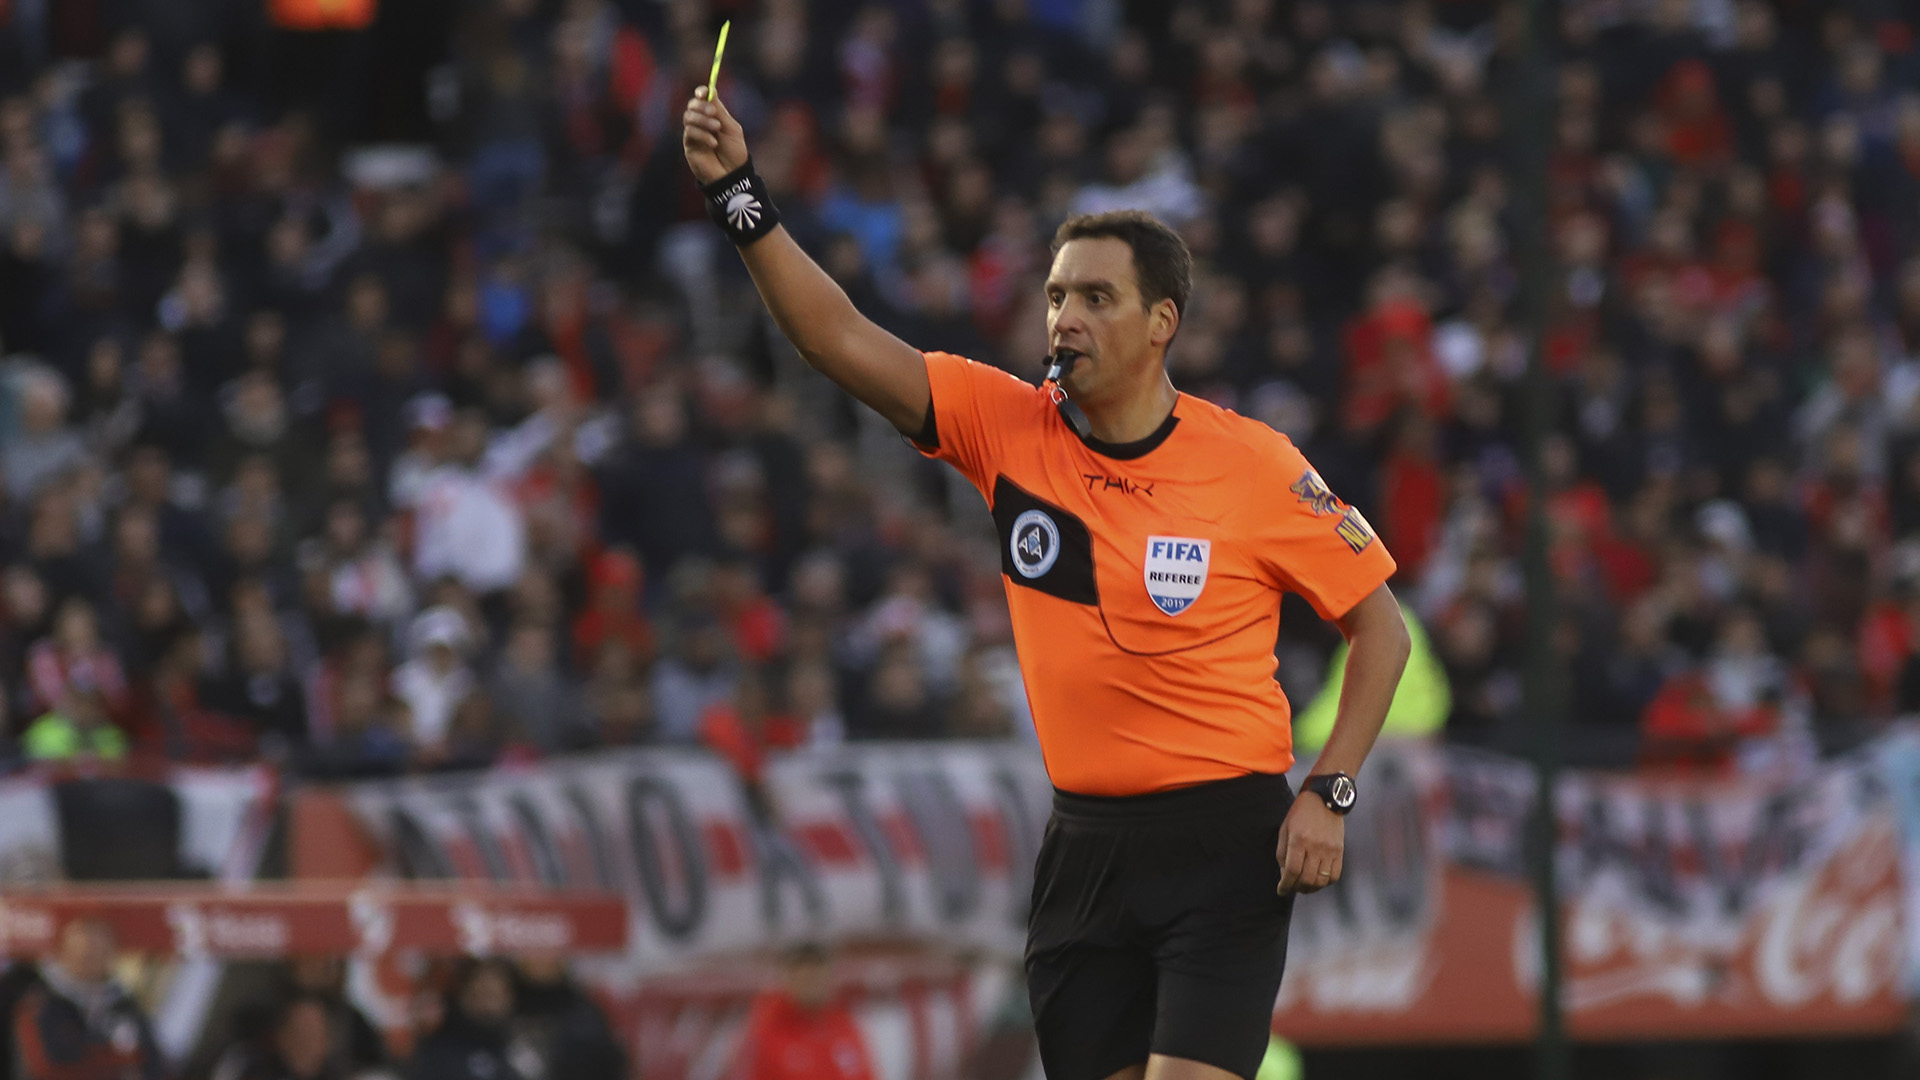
point(1034, 543)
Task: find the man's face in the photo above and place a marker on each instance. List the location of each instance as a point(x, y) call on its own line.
point(488, 996)
point(1094, 309)
point(305, 1039)
point(86, 951)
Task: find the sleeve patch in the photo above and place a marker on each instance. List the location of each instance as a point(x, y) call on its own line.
point(1312, 491)
point(1355, 530)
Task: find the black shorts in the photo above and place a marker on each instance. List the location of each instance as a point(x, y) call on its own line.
point(1155, 928)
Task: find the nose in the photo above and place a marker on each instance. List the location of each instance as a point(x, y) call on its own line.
point(1068, 321)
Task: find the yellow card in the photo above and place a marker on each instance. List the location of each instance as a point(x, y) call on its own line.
point(713, 80)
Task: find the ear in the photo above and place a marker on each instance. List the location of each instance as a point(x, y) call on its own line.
point(1162, 322)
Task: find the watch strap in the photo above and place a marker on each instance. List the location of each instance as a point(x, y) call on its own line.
point(1337, 790)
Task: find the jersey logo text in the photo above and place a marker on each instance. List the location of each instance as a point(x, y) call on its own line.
point(1313, 491)
point(1176, 571)
point(1355, 530)
point(1034, 543)
point(1102, 482)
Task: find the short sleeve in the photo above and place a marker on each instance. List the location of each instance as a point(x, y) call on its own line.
point(976, 409)
point(1311, 542)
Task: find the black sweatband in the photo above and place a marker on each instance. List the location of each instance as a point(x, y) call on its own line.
point(738, 202)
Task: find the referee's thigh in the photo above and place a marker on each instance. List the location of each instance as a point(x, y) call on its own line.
point(1160, 936)
point(1091, 985)
point(1093, 1009)
point(1217, 983)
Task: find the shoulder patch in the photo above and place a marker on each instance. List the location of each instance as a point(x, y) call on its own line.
point(1313, 491)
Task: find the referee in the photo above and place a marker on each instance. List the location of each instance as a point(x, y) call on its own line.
point(1145, 543)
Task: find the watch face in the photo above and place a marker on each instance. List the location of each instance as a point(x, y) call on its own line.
point(1342, 791)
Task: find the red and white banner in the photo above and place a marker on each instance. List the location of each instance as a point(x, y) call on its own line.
point(223, 815)
point(1696, 908)
point(927, 842)
point(1691, 908)
point(918, 851)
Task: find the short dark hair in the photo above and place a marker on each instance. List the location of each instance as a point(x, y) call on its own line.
point(1161, 261)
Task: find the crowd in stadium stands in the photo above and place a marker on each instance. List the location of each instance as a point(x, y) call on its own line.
point(479, 446)
point(70, 1018)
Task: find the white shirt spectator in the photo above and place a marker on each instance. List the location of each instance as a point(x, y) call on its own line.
point(465, 528)
point(1166, 190)
point(41, 447)
point(372, 586)
point(436, 680)
point(683, 694)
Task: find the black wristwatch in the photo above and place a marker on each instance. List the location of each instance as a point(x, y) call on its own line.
point(1334, 789)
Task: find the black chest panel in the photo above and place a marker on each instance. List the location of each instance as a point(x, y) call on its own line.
point(1042, 546)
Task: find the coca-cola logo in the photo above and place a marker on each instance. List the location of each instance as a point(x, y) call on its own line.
point(1837, 933)
point(1828, 935)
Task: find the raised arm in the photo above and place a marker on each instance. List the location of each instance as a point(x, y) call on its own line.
point(812, 310)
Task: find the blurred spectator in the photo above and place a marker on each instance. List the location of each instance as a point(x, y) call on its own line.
point(175, 717)
point(612, 615)
point(745, 729)
point(696, 674)
point(474, 738)
point(16, 980)
point(802, 1029)
point(78, 1023)
point(355, 1047)
point(73, 662)
point(261, 690)
point(41, 447)
point(898, 703)
point(435, 681)
point(78, 684)
point(656, 500)
point(565, 1026)
point(908, 614)
point(1735, 710)
point(363, 576)
point(1144, 171)
point(300, 1045)
point(813, 700)
point(464, 525)
point(476, 1039)
point(1420, 707)
point(368, 734)
point(536, 702)
point(980, 708)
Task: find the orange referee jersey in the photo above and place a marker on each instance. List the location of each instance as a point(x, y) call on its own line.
point(1145, 578)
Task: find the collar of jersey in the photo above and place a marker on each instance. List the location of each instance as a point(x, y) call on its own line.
point(1126, 451)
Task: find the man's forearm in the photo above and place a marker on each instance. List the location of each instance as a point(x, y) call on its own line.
point(812, 310)
point(1376, 655)
point(833, 337)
